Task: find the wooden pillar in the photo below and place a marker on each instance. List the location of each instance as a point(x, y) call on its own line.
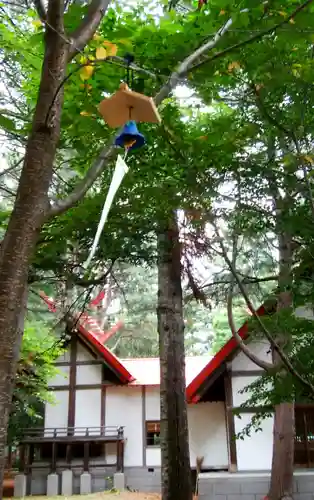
point(120, 455)
point(21, 457)
point(9, 458)
point(26, 458)
point(72, 384)
point(30, 460)
point(54, 457)
point(68, 453)
point(233, 465)
point(86, 456)
point(306, 439)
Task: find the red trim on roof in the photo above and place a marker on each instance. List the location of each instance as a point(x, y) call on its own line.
point(124, 375)
point(95, 336)
point(229, 348)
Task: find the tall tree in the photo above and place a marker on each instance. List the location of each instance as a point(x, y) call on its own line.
point(175, 456)
point(32, 207)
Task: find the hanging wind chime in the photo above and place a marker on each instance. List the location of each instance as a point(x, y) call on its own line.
point(123, 109)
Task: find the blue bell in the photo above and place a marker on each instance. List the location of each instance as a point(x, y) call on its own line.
point(129, 137)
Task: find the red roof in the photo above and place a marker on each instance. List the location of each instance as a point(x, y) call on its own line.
point(228, 349)
point(90, 329)
point(111, 359)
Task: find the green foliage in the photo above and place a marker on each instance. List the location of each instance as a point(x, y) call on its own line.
point(216, 159)
point(273, 388)
point(40, 348)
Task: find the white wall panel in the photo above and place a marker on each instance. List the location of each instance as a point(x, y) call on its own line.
point(61, 378)
point(88, 374)
point(260, 348)
point(153, 457)
point(88, 408)
point(56, 415)
point(152, 403)
point(83, 354)
point(124, 408)
point(207, 434)
point(255, 451)
point(238, 383)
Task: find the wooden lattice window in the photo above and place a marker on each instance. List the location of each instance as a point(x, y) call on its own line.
point(304, 436)
point(153, 433)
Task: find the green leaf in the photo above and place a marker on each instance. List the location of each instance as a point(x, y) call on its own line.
point(7, 123)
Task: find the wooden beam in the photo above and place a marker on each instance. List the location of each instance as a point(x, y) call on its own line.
point(72, 381)
point(31, 451)
point(68, 453)
point(250, 409)
point(233, 465)
point(77, 387)
point(103, 408)
point(247, 373)
point(54, 457)
point(86, 456)
point(21, 458)
point(120, 449)
point(91, 362)
point(144, 424)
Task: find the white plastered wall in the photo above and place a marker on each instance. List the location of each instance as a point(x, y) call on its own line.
point(88, 374)
point(83, 354)
point(152, 412)
point(208, 435)
point(207, 431)
point(88, 410)
point(56, 415)
point(123, 407)
point(61, 377)
point(255, 451)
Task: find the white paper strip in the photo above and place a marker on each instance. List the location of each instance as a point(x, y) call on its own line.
point(119, 172)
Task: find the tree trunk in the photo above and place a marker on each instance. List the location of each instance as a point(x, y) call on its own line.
point(29, 211)
point(175, 456)
point(281, 483)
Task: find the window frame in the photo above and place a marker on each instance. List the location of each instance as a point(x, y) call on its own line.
point(156, 423)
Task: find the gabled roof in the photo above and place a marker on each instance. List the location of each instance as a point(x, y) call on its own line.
point(217, 361)
point(146, 371)
point(91, 331)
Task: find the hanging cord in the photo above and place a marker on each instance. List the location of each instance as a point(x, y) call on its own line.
point(129, 59)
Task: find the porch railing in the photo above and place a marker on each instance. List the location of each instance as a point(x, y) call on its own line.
point(105, 432)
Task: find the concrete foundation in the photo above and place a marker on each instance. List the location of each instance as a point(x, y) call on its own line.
point(119, 481)
point(20, 482)
point(52, 485)
point(146, 479)
point(66, 483)
point(85, 483)
point(250, 486)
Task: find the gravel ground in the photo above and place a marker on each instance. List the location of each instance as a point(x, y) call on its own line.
point(124, 495)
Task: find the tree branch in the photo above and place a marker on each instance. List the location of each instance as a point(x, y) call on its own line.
point(93, 282)
point(107, 151)
point(240, 342)
point(265, 365)
point(41, 10)
point(285, 360)
point(83, 186)
point(88, 27)
point(186, 64)
point(254, 38)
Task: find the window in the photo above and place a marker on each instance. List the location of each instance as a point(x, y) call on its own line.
point(153, 433)
point(304, 436)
